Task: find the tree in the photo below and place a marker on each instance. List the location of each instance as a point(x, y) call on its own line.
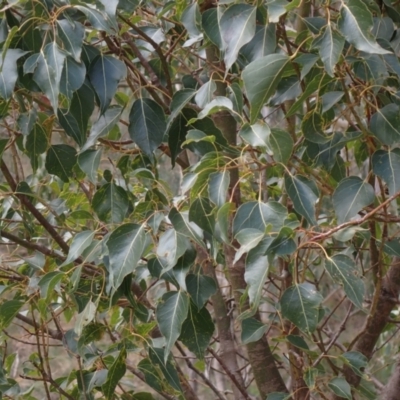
point(199, 200)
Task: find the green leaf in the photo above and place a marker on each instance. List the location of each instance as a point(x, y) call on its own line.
point(386, 164)
point(252, 330)
point(72, 77)
point(70, 125)
point(261, 77)
point(82, 106)
point(220, 103)
point(79, 243)
point(205, 94)
point(201, 213)
point(313, 129)
point(88, 162)
point(262, 44)
point(170, 314)
point(355, 24)
point(181, 223)
point(278, 396)
point(340, 387)
point(151, 375)
point(60, 160)
point(356, 361)
point(257, 215)
point(125, 246)
point(302, 196)
point(36, 144)
point(71, 34)
point(298, 341)
point(256, 135)
point(171, 246)
point(210, 24)
point(238, 26)
point(300, 304)
point(343, 270)
point(48, 283)
point(147, 125)
point(115, 374)
point(48, 71)
point(248, 238)
point(330, 45)
point(103, 125)
point(257, 268)
point(111, 203)
point(351, 196)
point(200, 288)
point(96, 18)
point(281, 144)
point(179, 101)
point(218, 186)
point(104, 73)
point(158, 357)
point(197, 330)
point(9, 71)
point(8, 310)
point(385, 124)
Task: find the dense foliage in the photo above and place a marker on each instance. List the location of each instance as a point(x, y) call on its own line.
point(199, 200)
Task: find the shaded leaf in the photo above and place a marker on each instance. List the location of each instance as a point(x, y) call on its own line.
point(71, 34)
point(385, 124)
point(340, 387)
point(255, 135)
point(36, 144)
point(200, 288)
point(252, 330)
point(60, 160)
point(201, 213)
point(281, 144)
point(88, 162)
point(8, 310)
point(115, 374)
point(9, 71)
point(218, 187)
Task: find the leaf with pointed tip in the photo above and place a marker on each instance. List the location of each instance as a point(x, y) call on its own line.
point(357, 361)
point(60, 160)
point(79, 243)
point(300, 304)
point(330, 44)
point(386, 165)
point(220, 103)
point(262, 44)
point(70, 125)
point(197, 330)
point(111, 203)
point(179, 101)
point(238, 26)
point(115, 374)
point(218, 186)
point(181, 223)
point(36, 144)
point(205, 94)
point(147, 125)
point(248, 239)
point(256, 135)
point(72, 77)
point(261, 77)
point(82, 106)
point(9, 71)
point(252, 330)
point(201, 213)
point(171, 246)
point(281, 144)
point(257, 268)
point(103, 125)
point(302, 196)
point(88, 162)
point(210, 23)
point(125, 246)
point(97, 19)
point(104, 73)
point(257, 215)
point(200, 288)
point(71, 34)
point(355, 24)
point(351, 196)
point(340, 387)
point(385, 124)
point(48, 71)
point(8, 310)
point(342, 269)
point(171, 312)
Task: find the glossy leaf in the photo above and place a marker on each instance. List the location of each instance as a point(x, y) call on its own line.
point(201, 213)
point(386, 165)
point(71, 34)
point(340, 387)
point(111, 203)
point(79, 243)
point(8, 71)
point(256, 135)
point(36, 144)
point(8, 310)
point(351, 196)
point(171, 246)
point(89, 162)
point(72, 78)
point(200, 288)
point(300, 305)
point(197, 330)
point(355, 24)
point(343, 270)
point(104, 73)
point(171, 314)
point(281, 144)
point(261, 77)
point(60, 160)
point(238, 26)
point(147, 125)
point(252, 330)
point(125, 245)
point(115, 374)
point(385, 124)
point(218, 187)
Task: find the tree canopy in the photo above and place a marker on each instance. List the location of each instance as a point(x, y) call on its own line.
point(199, 200)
